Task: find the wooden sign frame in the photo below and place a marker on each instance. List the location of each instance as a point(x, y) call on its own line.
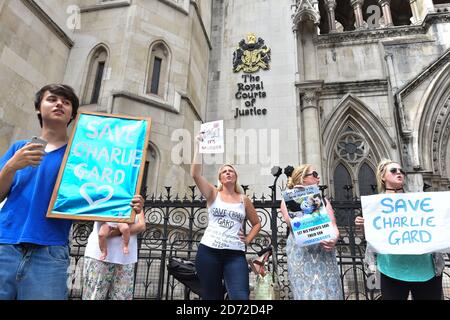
point(103, 217)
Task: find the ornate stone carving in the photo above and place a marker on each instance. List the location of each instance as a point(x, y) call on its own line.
point(309, 98)
point(352, 147)
point(251, 55)
point(306, 10)
point(309, 93)
point(374, 34)
point(334, 88)
point(368, 35)
point(331, 4)
point(440, 140)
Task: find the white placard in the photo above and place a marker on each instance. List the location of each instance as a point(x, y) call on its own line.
point(407, 223)
point(213, 141)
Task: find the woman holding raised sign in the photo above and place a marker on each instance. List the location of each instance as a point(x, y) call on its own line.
point(221, 252)
point(401, 274)
point(312, 269)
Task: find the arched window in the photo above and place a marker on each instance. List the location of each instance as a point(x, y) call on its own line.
point(357, 139)
point(94, 79)
point(367, 181)
point(354, 175)
point(342, 183)
point(158, 75)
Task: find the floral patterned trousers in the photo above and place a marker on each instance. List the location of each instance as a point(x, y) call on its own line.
point(102, 280)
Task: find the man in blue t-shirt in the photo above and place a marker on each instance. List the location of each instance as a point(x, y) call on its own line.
point(34, 251)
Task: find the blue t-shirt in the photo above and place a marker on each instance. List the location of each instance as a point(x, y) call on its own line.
point(23, 216)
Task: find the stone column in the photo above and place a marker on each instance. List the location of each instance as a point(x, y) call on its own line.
point(312, 138)
point(296, 66)
point(357, 8)
point(420, 9)
point(386, 7)
point(389, 58)
point(415, 12)
point(331, 6)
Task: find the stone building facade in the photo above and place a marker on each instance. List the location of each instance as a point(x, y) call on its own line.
point(132, 57)
point(340, 84)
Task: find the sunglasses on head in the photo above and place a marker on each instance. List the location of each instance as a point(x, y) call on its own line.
point(395, 170)
point(314, 174)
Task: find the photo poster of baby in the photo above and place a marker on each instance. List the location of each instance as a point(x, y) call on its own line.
point(310, 222)
point(213, 138)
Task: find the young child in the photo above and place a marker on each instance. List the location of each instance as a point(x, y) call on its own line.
point(104, 232)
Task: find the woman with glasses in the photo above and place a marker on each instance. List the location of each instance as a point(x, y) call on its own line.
point(312, 270)
point(401, 274)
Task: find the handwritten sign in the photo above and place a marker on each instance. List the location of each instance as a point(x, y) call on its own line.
point(407, 223)
point(213, 141)
point(102, 168)
point(310, 222)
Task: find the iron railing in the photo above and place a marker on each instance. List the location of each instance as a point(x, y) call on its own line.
point(175, 226)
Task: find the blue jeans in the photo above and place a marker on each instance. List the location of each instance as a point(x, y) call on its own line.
point(33, 272)
point(213, 265)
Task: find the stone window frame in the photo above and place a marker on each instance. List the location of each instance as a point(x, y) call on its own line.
point(353, 114)
point(159, 49)
point(99, 54)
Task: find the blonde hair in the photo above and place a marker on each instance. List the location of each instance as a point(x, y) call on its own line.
point(237, 187)
point(298, 175)
point(381, 171)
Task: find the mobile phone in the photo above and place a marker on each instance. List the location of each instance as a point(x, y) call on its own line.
point(39, 141)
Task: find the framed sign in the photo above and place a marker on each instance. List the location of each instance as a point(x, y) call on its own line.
point(102, 168)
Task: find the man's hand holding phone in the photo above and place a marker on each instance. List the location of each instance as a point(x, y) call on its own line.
point(41, 142)
point(29, 155)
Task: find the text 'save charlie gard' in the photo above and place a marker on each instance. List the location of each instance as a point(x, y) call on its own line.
point(310, 222)
point(102, 168)
point(407, 223)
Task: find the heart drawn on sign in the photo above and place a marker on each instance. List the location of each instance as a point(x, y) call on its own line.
point(98, 191)
point(297, 225)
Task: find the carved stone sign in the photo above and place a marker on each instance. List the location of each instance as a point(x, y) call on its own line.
point(250, 90)
point(251, 56)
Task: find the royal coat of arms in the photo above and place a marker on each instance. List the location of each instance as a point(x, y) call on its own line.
point(251, 55)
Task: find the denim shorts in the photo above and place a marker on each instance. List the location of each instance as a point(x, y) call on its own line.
point(33, 272)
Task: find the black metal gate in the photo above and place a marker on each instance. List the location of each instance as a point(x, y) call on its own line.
point(175, 226)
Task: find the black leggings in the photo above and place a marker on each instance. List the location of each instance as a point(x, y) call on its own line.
point(393, 289)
